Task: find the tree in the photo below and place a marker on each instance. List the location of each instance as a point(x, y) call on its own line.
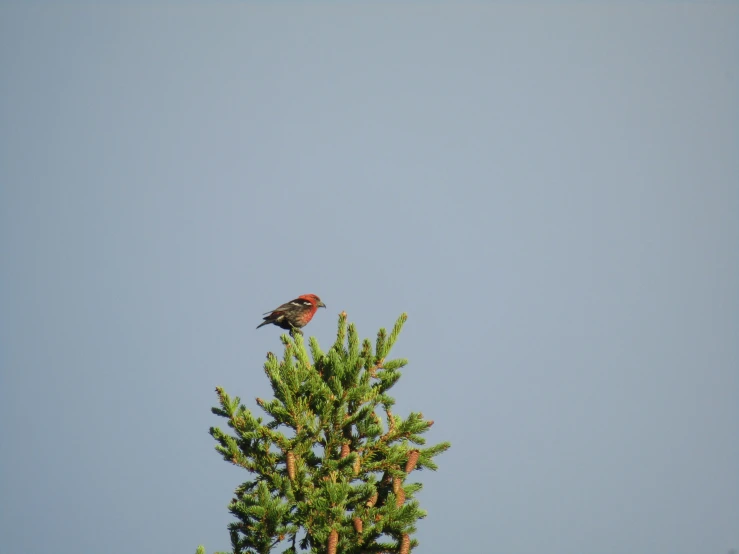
point(328, 475)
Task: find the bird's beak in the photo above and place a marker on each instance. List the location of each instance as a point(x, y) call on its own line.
point(321, 305)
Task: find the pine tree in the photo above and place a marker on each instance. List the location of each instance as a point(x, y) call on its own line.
point(328, 475)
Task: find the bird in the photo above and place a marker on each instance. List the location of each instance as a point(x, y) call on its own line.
point(294, 314)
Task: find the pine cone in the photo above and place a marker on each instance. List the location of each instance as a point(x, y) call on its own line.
point(372, 501)
point(291, 465)
point(405, 544)
point(410, 465)
point(396, 484)
point(358, 525)
point(333, 540)
point(400, 498)
point(357, 465)
point(344, 450)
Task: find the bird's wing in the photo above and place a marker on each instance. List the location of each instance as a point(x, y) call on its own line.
point(297, 302)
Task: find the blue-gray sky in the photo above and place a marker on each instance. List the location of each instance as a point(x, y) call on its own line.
point(551, 193)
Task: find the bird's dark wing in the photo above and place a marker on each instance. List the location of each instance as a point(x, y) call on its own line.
point(297, 303)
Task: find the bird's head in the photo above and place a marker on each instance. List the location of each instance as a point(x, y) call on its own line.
point(313, 299)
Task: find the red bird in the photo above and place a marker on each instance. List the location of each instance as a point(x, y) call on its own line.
point(294, 314)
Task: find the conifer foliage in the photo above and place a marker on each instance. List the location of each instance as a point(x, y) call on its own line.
point(327, 473)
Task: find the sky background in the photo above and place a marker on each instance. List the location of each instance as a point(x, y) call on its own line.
point(551, 193)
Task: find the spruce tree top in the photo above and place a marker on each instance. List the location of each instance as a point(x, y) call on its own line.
point(328, 474)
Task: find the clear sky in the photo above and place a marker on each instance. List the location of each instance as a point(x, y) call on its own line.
point(551, 193)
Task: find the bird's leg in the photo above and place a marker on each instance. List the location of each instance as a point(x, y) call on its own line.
point(294, 330)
